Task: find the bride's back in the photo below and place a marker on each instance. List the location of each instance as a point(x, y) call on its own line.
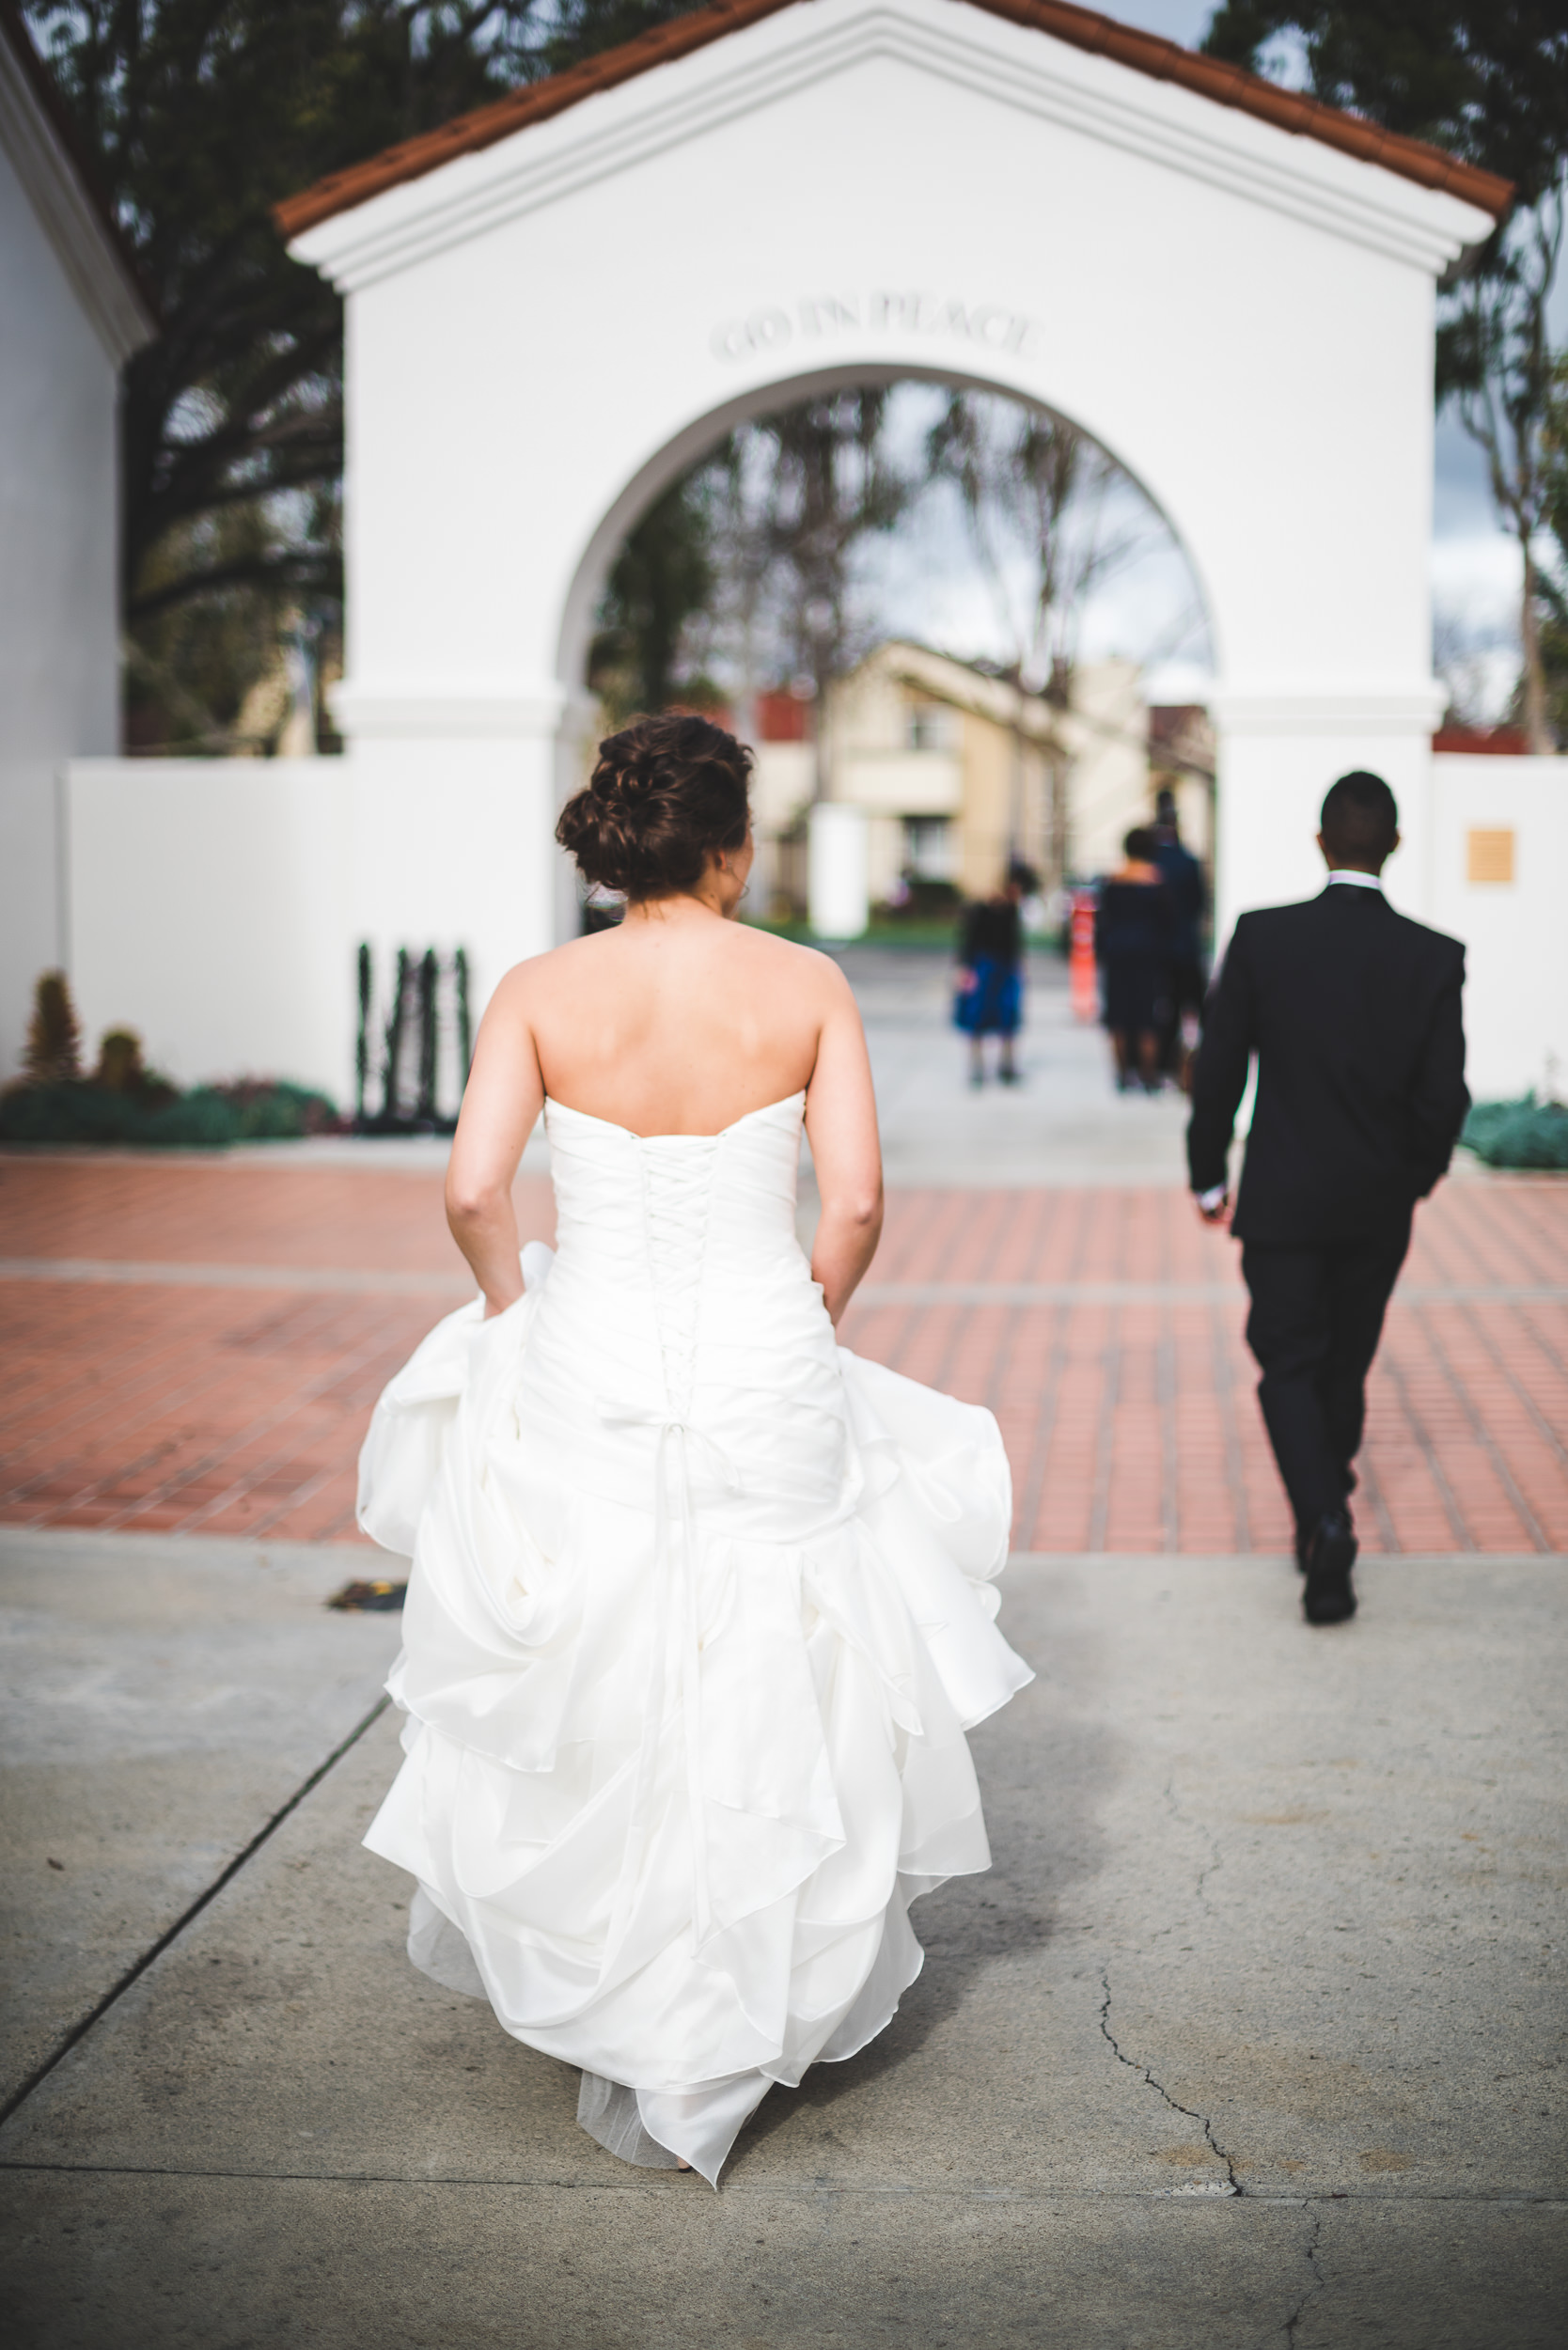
point(681, 1020)
point(678, 1024)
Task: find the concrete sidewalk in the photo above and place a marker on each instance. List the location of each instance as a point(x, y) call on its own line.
point(1064, 1124)
point(1248, 2036)
point(159, 1703)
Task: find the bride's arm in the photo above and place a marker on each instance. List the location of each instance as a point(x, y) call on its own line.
point(504, 1096)
point(840, 1120)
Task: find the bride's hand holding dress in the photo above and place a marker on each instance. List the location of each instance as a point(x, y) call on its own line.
point(700, 1604)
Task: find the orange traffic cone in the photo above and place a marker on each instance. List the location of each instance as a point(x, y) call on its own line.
point(1082, 978)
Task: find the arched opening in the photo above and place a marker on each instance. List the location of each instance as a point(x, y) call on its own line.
point(895, 579)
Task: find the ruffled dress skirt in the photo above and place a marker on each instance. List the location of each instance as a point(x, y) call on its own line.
point(701, 1607)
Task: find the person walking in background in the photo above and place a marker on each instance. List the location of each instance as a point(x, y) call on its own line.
point(1135, 928)
point(1354, 1015)
point(989, 994)
point(1189, 899)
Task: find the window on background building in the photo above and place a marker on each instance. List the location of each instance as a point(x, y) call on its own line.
point(928, 847)
point(932, 727)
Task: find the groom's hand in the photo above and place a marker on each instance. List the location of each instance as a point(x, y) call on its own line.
point(1213, 1207)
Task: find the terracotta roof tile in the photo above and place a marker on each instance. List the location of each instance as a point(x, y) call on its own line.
point(1081, 28)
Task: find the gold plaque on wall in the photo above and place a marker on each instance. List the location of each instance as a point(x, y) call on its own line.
point(1489, 856)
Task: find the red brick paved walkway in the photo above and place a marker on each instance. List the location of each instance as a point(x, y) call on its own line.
point(197, 1345)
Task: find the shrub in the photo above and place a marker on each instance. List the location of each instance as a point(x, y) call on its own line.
point(271, 1109)
point(1526, 1133)
point(125, 1102)
point(82, 1112)
point(209, 1117)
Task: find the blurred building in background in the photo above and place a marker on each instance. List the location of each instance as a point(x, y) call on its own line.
point(1183, 755)
point(956, 772)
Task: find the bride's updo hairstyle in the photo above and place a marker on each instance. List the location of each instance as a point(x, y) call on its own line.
point(665, 793)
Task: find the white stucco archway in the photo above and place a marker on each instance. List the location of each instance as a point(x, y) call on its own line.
point(705, 433)
point(702, 436)
point(556, 306)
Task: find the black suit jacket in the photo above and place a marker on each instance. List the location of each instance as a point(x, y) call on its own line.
point(1354, 1015)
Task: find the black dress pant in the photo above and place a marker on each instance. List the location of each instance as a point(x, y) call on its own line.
point(1316, 1318)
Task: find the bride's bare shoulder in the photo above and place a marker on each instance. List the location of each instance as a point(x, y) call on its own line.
point(562, 973)
point(794, 965)
point(539, 976)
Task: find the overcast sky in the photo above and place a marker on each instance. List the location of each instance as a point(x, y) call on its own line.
point(1178, 20)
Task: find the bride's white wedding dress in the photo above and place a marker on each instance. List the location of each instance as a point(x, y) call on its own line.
point(700, 1610)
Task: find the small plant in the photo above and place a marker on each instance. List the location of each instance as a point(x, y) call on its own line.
point(121, 1070)
point(1525, 1134)
point(362, 1035)
point(426, 1044)
point(54, 1048)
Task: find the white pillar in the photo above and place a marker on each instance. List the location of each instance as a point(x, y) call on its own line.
point(840, 872)
point(1279, 750)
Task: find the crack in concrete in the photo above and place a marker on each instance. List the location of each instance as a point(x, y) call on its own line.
point(1314, 2288)
point(1201, 1829)
point(1232, 2185)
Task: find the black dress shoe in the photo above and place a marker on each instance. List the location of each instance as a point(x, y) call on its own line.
point(1328, 1597)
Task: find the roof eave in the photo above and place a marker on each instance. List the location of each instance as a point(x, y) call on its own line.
point(1162, 60)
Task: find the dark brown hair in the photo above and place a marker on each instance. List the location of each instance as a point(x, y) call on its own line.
point(1360, 819)
point(665, 792)
point(1139, 845)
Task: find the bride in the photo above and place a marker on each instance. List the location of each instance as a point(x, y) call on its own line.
point(700, 1603)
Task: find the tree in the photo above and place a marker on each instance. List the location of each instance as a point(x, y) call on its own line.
point(1487, 79)
point(1554, 577)
point(1033, 490)
point(662, 579)
point(1040, 500)
point(196, 117)
point(817, 480)
point(1500, 370)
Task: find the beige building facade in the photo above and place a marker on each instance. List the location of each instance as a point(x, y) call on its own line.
point(957, 773)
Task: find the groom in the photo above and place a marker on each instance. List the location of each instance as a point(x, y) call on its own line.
point(1354, 1013)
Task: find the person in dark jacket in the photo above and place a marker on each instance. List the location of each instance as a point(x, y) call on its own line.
point(989, 996)
point(1135, 928)
point(1189, 899)
point(1353, 1012)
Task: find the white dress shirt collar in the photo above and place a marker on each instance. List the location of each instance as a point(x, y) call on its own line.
point(1356, 881)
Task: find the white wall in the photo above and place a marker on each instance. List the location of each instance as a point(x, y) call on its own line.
point(211, 906)
point(210, 910)
point(1517, 990)
point(58, 673)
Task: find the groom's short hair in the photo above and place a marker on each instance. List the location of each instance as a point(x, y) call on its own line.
point(1360, 817)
